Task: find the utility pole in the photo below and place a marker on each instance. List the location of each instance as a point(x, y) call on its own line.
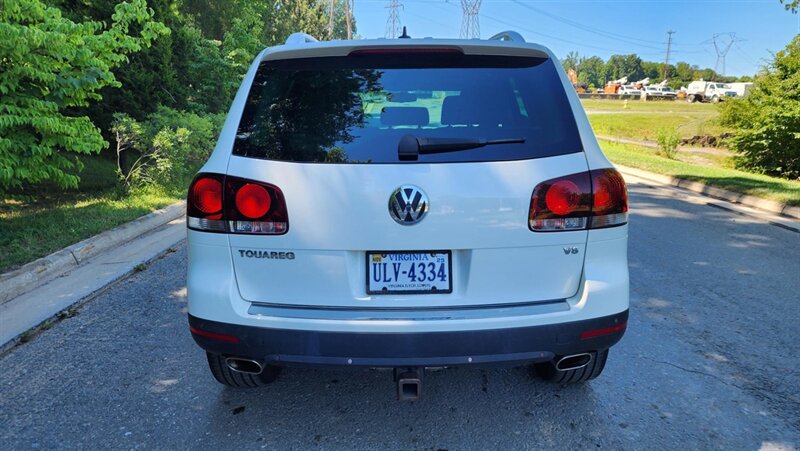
point(470, 26)
point(669, 48)
point(393, 21)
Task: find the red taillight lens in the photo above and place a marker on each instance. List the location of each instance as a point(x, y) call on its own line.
point(561, 204)
point(610, 202)
point(253, 201)
point(218, 203)
point(257, 208)
point(563, 197)
point(206, 196)
point(592, 199)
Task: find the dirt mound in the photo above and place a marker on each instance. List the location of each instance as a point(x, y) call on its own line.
point(705, 140)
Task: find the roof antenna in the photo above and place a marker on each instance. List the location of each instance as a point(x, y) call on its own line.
point(404, 35)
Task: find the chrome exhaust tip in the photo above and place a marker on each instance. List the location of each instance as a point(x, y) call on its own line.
point(247, 366)
point(573, 362)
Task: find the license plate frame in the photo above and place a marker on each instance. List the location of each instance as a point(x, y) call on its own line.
point(368, 272)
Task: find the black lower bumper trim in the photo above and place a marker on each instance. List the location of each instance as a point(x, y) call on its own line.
point(299, 347)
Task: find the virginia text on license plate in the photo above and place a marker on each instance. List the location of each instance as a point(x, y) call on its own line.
point(409, 272)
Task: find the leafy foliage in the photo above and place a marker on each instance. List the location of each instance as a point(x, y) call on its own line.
point(65, 76)
point(166, 148)
point(50, 65)
point(668, 140)
point(791, 5)
point(767, 121)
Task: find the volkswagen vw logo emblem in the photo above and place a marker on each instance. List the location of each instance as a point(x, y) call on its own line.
point(408, 205)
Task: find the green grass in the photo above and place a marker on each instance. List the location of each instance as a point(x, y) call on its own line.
point(676, 106)
point(641, 120)
point(644, 126)
point(780, 190)
point(34, 225)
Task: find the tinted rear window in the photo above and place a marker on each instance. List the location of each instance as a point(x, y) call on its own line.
point(355, 109)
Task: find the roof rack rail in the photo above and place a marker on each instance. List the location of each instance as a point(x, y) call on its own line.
point(300, 38)
point(508, 35)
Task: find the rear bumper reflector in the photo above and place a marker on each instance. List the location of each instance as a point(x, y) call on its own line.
point(214, 335)
point(604, 331)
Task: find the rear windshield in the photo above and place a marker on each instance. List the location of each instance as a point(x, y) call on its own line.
point(355, 109)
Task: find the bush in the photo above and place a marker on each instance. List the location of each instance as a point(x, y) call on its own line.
point(668, 140)
point(166, 148)
point(767, 122)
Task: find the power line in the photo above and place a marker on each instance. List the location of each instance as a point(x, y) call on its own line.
point(607, 34)
point(439, 4)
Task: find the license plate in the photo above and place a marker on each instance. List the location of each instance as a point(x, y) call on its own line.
point(409, 272)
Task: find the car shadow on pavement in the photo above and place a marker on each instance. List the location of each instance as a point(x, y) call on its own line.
point(343, 408)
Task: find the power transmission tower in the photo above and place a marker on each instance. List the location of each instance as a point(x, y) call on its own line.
point(722, 49)
point(669, 48)
point(470, 26)
point(393, 22)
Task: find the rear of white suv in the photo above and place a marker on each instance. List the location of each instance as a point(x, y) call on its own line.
point(407, 204)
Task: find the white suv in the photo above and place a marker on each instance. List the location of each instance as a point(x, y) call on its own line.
point(405, 204)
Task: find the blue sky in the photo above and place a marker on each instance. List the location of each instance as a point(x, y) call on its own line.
point(604, 28)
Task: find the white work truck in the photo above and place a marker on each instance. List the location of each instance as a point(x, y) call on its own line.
point(708, 91)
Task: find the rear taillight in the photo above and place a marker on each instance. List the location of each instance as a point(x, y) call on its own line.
point(593, 199)
point(561, 204)
point(610, 200)
point(218, 203)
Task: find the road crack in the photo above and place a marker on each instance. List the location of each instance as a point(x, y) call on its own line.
point(689, 370)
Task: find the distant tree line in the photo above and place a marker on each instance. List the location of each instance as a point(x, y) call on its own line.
point(594, 71)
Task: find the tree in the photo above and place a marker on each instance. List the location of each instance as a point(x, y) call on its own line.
point(625, 66)
point(767, 122)
point(570, 61)
point(684, 73)
point(653, 71)
point(791, 5)
point(592, 70)
point(50, 65)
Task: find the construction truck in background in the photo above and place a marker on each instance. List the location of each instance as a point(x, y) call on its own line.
point(580, 88)
point(708, 91)
point(612, 87)
point(742, 89)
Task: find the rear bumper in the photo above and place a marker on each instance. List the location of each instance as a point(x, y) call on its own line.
point(303, 347)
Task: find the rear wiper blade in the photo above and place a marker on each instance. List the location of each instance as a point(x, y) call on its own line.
point(410, 147)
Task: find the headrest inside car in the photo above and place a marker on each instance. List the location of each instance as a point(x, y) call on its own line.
point(404, 115)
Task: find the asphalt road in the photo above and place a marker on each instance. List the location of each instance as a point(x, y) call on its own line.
point(709, 361)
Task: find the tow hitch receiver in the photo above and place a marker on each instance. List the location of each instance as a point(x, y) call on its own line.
point(409, 383)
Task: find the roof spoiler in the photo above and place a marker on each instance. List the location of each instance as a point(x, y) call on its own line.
point(304, 38)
